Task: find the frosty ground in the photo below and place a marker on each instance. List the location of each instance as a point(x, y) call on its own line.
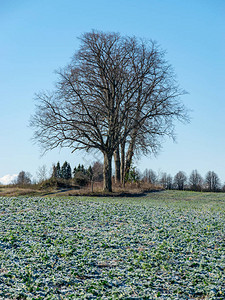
point(166, 245)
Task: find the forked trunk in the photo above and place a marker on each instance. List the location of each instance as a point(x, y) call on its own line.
point(130, 154)
point(107, 173)
point(129, 157)
point(117, 165)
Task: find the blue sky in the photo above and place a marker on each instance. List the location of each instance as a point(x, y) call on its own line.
point(39, 37)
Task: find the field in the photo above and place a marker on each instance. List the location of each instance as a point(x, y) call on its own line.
point(167, 245)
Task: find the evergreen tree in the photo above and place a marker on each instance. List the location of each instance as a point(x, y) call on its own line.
point(90, 172)
point(63, 170)
point(54, 171)
point(74, 171)
point(133, 175)
point(58, 170)
point(66, 171)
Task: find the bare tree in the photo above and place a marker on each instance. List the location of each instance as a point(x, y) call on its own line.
point(42, 173)
point(169, 182)
point(195, 181)
point(23, 178)
point(163, 180)
point(150, 176)
point(97, 170)
point(115, 90)
point(166, 181)
point(223, 188)
point(179, 180)
point(212, 181)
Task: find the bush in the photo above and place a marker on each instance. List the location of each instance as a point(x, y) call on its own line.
point(81, 179)
point(56, 183)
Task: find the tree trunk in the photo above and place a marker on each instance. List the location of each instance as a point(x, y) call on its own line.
point(107, 173)
point(122, 165)
point(117, 165)
point(129, 157)
point(130, 153)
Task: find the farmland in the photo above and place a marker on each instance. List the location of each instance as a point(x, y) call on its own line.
point(167, 245)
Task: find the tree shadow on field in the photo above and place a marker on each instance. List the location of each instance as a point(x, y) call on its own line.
point(116, 194)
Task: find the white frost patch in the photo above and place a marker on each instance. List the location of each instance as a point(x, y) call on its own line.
point(7, 179)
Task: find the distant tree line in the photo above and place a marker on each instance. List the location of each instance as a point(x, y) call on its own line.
point(195, 182)
point(82, 176)
point(79, 175)
point(63, 173)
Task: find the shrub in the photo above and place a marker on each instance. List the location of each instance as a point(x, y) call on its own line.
point(56, 183)
point(81, 179)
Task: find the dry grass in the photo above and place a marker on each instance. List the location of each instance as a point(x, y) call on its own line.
point(118, 190)
point(15, 191)
point(129, 190)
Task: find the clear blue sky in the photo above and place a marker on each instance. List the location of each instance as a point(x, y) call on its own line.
point(38, 37)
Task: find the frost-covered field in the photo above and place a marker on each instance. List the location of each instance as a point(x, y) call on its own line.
point(168, 245)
